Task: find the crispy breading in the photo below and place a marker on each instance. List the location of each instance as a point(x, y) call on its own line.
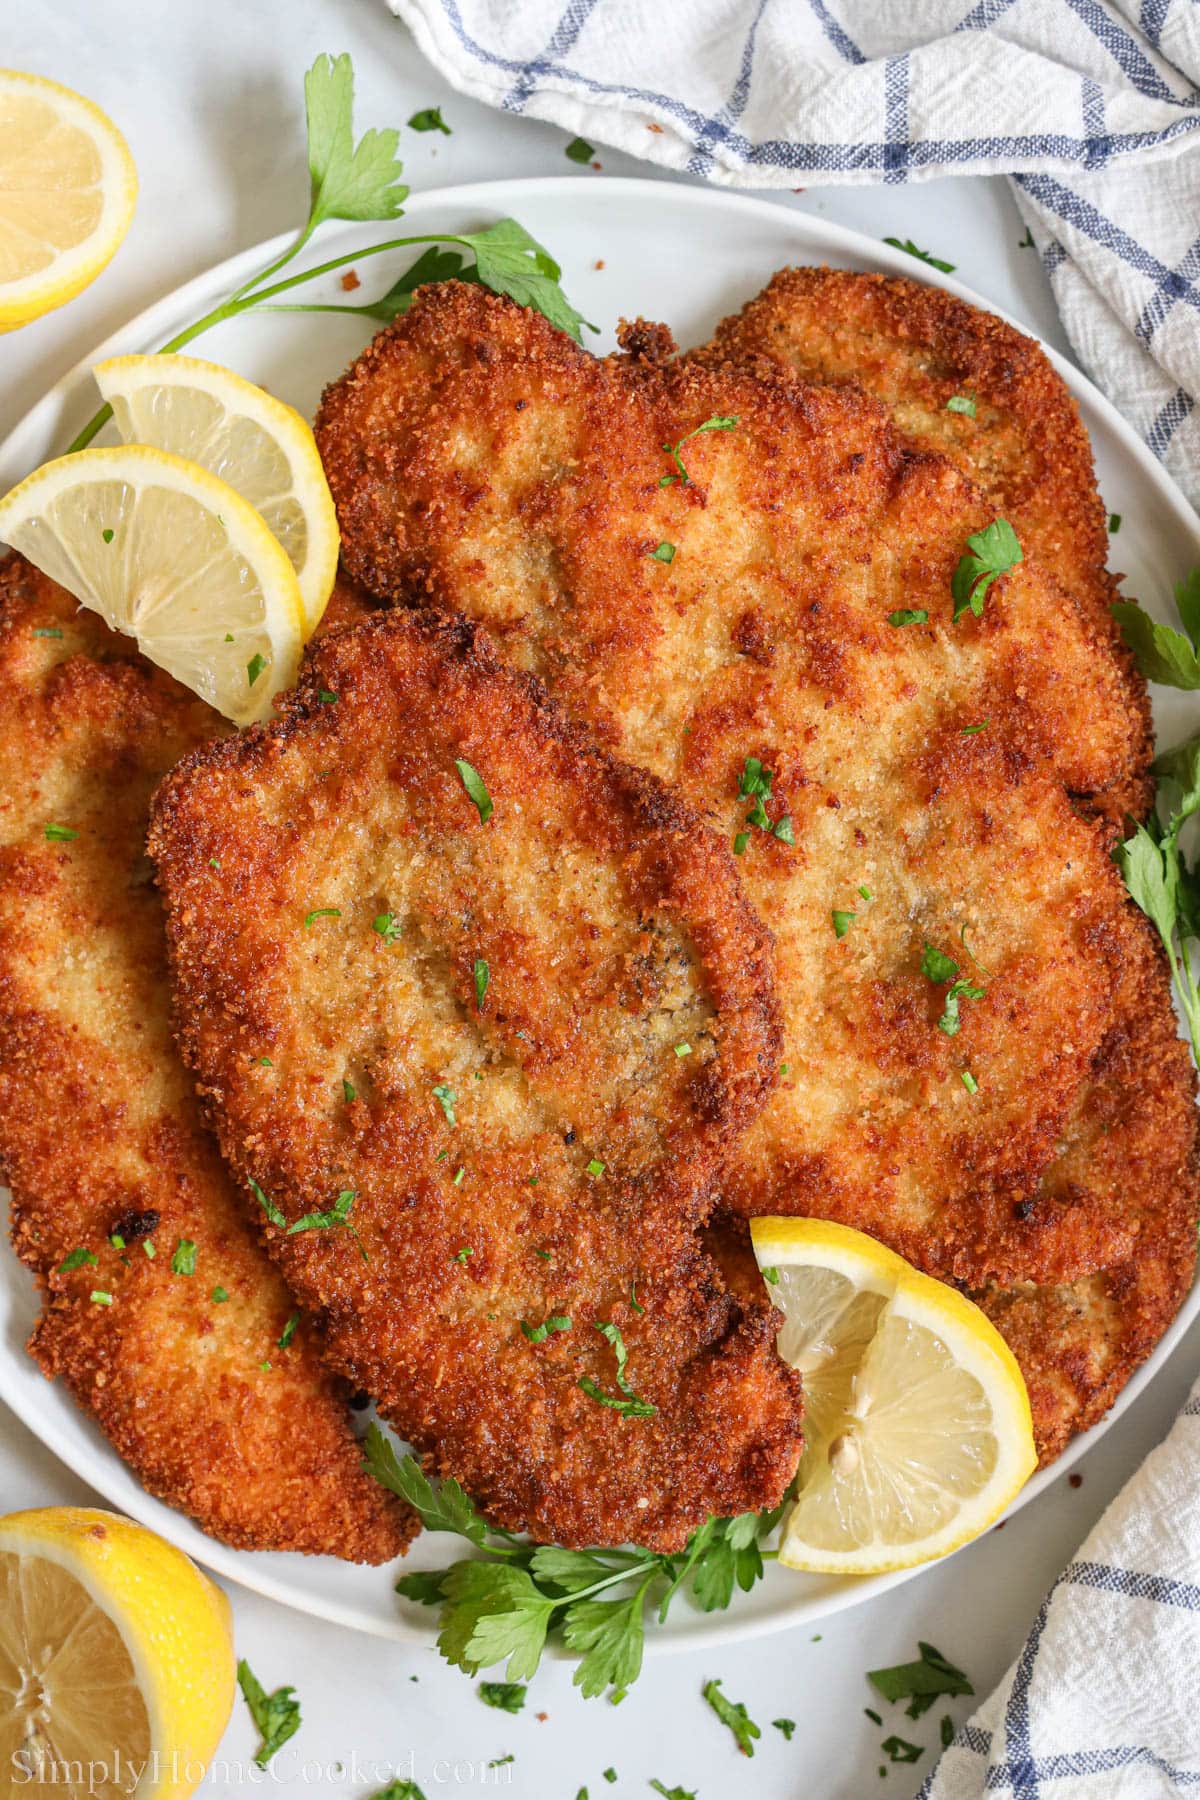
point(916, 348)
point(1133, 1138)
point(477, 457)
point(518, 1046)
point(101, 1137)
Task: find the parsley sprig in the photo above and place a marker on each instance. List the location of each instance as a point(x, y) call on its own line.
point(937, 967)
point(1160, 878)
point(1163, 654)
point(732, 1713)
point(276, 1715)
point(718, 422)
point(990, 553)
point(502, 1604)
point(361, 181)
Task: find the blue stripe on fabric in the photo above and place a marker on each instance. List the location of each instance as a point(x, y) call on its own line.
point(1159, 305)
point(838, 36)
point(1125, 51)
point(1020, 1769)
point(984, 14)
point(700, 162)
point(895, 119)
point(1151, 19)
point(1054, 257)
point(1192, 1409)
point(813, 158)
point(1133, 1584)
point(1102, 1762)
point(563, 38)
point(1094, 123)
point(1074, 210)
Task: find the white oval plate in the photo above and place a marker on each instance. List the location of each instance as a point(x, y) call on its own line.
point(686, 255)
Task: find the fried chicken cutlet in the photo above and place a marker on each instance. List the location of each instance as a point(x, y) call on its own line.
point(772, 593)
point(162, 1314)
point(440, 963)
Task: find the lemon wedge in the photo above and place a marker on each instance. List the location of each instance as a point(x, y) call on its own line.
point(258, 445)
point(67, 193)
point(917, 1425)
point(167, 552)
point(116, 1654)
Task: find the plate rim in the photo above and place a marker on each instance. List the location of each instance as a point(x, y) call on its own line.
point(824, 238)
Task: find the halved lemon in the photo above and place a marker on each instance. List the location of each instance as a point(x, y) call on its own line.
point(917, 1424)
point(67, 193)
point(258, 445)
point(167, 552)
point(116, 1657)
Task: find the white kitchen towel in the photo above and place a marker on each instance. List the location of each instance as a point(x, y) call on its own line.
point(1093, 107)
point(1103, 1702)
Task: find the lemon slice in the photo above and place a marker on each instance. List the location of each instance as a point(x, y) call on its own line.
point(917, 1424)
point(67, 192)
point(257, 444)
point(165, 551)
point(115, 1654)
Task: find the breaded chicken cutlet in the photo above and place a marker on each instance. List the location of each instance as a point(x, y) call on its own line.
point(771, 593)
point(162, 1314)
point(961, 382)
point(440, 963)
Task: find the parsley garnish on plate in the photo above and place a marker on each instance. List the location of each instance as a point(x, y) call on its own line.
point(899, 1750)
point(909, 615)
point(579, 150)
point(337, 1217)
point(631, 1407)
point(718, 422)
point(429, 119)
point(787, 1726)
point(476, 791)
point(537, 1334)
point(910, 249)
point(920, 1683)
point(499, 1606)
point(254, 668)
point(1163, 654)
point(506, 1696)
point(732, 1713)
point(990, 553)
point(276, 1715)
point(361, 181)
point(1114, 524)
point(1160, 878)
point(672, 1793)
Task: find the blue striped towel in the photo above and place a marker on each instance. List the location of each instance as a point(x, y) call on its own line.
point(1092, 106)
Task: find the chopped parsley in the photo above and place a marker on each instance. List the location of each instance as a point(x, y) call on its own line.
point(1114, 525)
point(289, 1331)
point(899, 1750)
point(148, 1247)
point(117, 1241)
point(672, 1793)
point(783, 830)
point(683, 1049)
point(269, 1207)
point(445, 1097)
point(771, 1273)
point(595, 1167)
point(937, 967)
point(630, 1407)
point(254, 668)
point(507, 1696)
point(909, 615)
point(610, 1775)
point(47, 631)
point(60, 834)
point(321, 912)
point(384, 925)
point(107, 534)
point(537, 1334)
point(349, 1091)
point(429, 119)
point(969, 730)
point(456, 1178)
point(219, 1296)
point(754, 784)
point(842, 921)
point(718, 422)
point(482, 977)
point(990, 553)
point(961, 403)
point(947, 1731)
point(579, 151)
point(910, 249)
point(920, 1683)
point(276, 1715)
point(969, 1081)
point(634, 1302)
point(787, 1726)
point(476, 790)
point(740, 842)
point(101, 1298)
point(463, 1255)
point(732, 1713)
point(665, 553)
point(76, 1259)
point(183, 1260)
point(326, 698)
point(867, 895)
point(337, 1215)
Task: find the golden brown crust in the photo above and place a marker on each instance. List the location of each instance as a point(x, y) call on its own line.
point(613, 932)
point(476, 455)
point(915, 348)
point(1134, 1140)
point(100, 1133)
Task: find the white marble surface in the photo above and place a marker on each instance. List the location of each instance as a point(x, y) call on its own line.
point(209, 96)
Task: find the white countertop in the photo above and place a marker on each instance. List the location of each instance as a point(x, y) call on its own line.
point(209, 94)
